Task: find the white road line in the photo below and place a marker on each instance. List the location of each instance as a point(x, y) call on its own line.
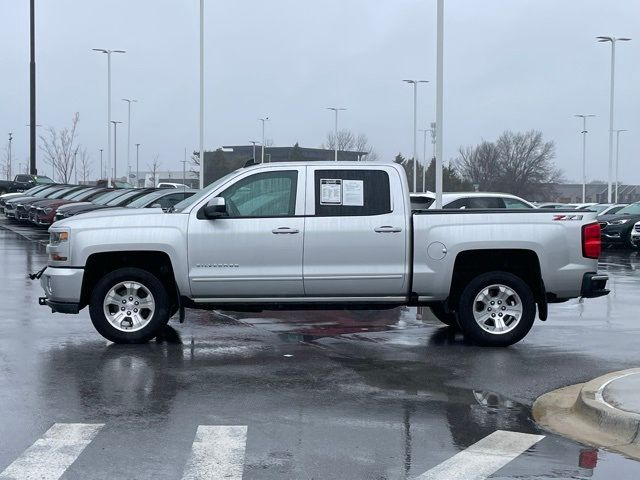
point(483, 458)
point(50, 456)
point(217, 453)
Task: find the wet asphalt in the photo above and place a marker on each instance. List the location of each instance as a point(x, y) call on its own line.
point(324, 395)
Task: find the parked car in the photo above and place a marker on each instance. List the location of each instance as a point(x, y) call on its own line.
point(23, 208)
point(114, 184)
point(123, 200)
point(617, 228)
point(171, 185)
point(11, 205)
point(635, 235)
point(42, 213)
point(475, 200)
point(30, 192)
point(165, 199)
point(70, 210)
point(22, 182)
point(611, 209)
point(321, 235)
point(552, 205)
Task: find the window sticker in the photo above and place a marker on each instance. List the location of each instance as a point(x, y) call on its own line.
point(353, 193)
point(330, 191)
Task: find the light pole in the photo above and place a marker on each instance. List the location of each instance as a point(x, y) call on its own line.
point(201, 94)
point(584, 153)
point(254, 142)
point(432, 130)
point(115, 148)
point(613, 41)
point(335, 131)
point(617, 159)
point(108, 52)
point(439, 98)
point(265, 119)
point(9, 153)
point(415, 126)
point(129, 100)
point(101, 169)
point(138, 165)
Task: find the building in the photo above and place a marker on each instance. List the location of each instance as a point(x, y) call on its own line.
point(227, 159)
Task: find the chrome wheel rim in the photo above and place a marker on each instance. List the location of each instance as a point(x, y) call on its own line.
point(129, 306)
point(497, 309)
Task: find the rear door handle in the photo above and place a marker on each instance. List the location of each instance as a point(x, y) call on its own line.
point(282, 230)
point(387, 229)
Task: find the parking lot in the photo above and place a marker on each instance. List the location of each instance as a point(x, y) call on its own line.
point(293, 395)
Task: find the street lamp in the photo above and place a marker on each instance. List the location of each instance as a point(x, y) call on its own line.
point(613, 41)
point(129, 100)
point(415, 125)
point(115, 148)
point(265, 119)
point(432, 130)
point(101, 169)
point(9, 155)
point(617, 158)
point(254, 142)
point(108, 52)
point(584, 154)
point(138, 165)
point(335, 131)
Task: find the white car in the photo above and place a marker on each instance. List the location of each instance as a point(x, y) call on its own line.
point(469, 201)
point(635, 234)
point(172, 185)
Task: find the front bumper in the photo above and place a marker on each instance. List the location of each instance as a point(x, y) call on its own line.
point(593, 285)
point(62, 287)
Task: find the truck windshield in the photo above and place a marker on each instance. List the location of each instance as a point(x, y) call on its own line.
point(187, 202)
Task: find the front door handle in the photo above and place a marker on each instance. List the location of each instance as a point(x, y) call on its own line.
point(282, 230)
point(387, 229)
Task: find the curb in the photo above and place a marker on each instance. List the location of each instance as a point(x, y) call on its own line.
point(580, 412)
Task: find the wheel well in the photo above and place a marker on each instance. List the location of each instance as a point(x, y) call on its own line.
point(523, 263)
point(99, 264)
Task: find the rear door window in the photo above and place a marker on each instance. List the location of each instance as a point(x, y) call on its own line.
point(514, 203)
point(485, 202)
point(351, 193)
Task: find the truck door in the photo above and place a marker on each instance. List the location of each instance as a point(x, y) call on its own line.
point(355, 240)
point(256, 251)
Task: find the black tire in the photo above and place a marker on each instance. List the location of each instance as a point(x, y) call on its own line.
point(466, 305)
point(154, 324)
point(446, 317)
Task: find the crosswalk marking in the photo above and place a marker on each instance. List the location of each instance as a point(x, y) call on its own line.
point(483, 458)
point(217, 453)
point(50, 456)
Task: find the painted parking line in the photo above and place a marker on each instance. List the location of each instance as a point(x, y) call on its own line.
point(217, 453)
point(483, 458)
point(50, 456)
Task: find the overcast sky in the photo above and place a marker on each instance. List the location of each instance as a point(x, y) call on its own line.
point(517, 64)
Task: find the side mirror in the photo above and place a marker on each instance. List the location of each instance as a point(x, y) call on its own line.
point(215, 208)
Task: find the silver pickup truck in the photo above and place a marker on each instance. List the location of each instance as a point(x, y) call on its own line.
point(320, 235)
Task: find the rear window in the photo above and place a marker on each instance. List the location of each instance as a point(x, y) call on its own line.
point(351, 193)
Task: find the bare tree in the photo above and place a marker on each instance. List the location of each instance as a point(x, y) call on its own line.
point(154, 168)
point(59, 148)
point(518, 163)
point(85, 164)
point(348, 141)
point(5, 167)
point(195, 163)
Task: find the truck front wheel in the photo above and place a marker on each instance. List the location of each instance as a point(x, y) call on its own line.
point(496, 309)
point(129, 305)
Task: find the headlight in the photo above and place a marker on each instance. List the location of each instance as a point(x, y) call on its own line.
point(56, 238)
point(622, 221)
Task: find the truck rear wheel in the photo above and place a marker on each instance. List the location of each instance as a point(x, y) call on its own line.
point(496, 309)
point(129, 305)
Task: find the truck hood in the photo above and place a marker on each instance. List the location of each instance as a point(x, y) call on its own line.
point(113, 217)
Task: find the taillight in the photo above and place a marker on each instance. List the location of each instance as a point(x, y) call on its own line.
point(591, 243)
